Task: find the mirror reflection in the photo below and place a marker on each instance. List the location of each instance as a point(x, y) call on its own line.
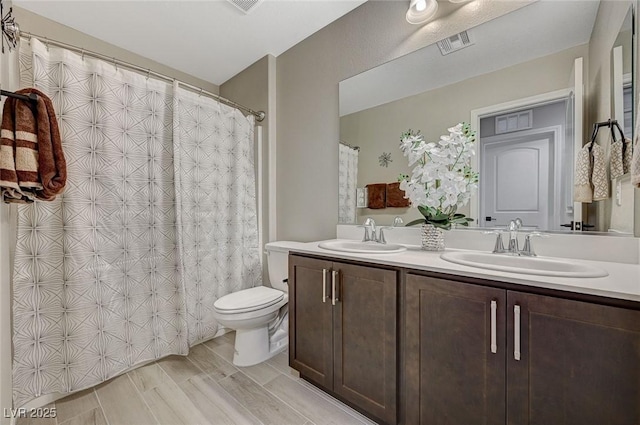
point(525, 94)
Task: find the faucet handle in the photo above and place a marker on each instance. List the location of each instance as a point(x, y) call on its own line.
point(369, 223)
point(367, 236)
point(528, 247)
point(397, 221)
point(499, 246)
point(381, 238)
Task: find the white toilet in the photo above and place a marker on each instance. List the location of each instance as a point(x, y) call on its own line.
point(259, 315)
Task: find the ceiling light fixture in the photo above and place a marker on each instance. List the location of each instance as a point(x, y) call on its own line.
point(421, 11)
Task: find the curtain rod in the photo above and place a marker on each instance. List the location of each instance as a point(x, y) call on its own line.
point(357, 148)
point(260, 115)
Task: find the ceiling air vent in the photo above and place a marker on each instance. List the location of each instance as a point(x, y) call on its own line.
point(455, 42)
point(245, 5)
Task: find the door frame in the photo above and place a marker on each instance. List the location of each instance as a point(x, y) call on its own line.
point(553, 220)
point(478, 114)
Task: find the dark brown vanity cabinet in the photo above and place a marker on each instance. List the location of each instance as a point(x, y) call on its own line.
point(476, 354)
point(579, 362)
point(343, 331)
point(455, 351)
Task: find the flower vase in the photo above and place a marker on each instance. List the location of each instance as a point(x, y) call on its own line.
point(432, 238)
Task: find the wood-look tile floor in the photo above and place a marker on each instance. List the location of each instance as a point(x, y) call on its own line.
point(204, 388)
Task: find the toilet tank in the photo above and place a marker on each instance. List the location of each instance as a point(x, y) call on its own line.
point(278, 262)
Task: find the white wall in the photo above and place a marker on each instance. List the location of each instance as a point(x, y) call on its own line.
point(307, 100)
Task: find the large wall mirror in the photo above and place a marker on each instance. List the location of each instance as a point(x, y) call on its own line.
point(532, 89)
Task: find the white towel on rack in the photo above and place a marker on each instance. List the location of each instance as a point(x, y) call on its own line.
point(591, 183)
point(620, 160)
point(599, 178)
point(582, 190)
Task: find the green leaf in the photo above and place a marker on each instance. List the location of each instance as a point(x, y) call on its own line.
point(440, 225)
point(414, 222)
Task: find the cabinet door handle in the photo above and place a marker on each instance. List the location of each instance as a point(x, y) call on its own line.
point(324, 285)
point(334, 296)
point(516, 332)
point(494, 311)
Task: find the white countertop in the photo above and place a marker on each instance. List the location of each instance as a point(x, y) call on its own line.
point(623, 281)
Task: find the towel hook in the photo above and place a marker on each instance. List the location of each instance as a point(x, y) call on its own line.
point(148, 73)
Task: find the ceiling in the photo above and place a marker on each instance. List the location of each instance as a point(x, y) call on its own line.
point(534, 31)
point(209, 39)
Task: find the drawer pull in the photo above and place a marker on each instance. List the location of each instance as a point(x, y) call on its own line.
point(516, 332)
point(334, 296)
point(494, 311)
point(324, 285)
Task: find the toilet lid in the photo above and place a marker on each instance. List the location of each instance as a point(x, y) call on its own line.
point(248, 300)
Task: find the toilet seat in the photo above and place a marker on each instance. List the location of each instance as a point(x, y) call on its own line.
point(248, 300)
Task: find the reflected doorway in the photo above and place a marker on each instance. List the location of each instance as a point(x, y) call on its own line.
point(525, 163)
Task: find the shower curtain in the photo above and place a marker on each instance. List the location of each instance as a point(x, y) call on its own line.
point(347, 183)
point(119, 270)
point(216, 205)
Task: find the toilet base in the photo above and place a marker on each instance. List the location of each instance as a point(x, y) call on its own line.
point(253, 346)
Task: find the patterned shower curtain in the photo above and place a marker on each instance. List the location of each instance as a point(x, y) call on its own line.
point(216, 205)
point(97, 283)
point(347, 183)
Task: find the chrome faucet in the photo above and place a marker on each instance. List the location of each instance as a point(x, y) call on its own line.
point(513, 249)
point(514, 226)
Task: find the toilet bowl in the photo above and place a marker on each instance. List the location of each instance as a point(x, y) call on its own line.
point(259, 315)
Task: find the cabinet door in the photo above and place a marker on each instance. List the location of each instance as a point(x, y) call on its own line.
point(454, 374)
point(365, 339)
point(310, 320)
point(579, 363)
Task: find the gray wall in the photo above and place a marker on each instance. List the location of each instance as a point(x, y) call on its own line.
point(307, 100)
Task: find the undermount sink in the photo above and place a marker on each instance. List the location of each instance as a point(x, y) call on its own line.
point(526, 265)
point(361, 247)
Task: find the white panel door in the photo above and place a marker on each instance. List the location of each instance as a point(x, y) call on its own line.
point(515, 183)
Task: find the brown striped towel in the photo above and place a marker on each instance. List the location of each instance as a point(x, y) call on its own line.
point(32, 164)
